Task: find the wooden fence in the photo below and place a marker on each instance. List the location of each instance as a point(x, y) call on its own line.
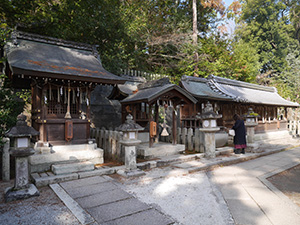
point(146, 75)
point(193, 140)
point(294, 128)
point(109, 141)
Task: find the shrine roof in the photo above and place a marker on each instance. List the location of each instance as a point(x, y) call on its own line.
point(234, 90)
point(41, 56)
point(199, 89)
point(151, 93)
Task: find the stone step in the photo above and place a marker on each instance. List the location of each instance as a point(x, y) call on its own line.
point(42, 162)
point(72, 168)
point(163, 149)
point(46, 178)
point(77, 147)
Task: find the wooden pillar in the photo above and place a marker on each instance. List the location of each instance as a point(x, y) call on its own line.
point(150, 119)
point(88, 108)
point(68, 114)
point(174, 127)
point(156, 121)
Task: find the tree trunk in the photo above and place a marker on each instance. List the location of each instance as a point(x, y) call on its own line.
point(195, 33)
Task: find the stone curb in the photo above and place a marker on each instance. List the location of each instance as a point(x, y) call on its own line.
point(43, 181)
point(265, 181)
point(75, 208)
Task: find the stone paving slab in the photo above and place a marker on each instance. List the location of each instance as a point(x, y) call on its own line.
point(115, 210)
point(83, 182)
point(105, 201)
point(148, 217)
point(103, 198)
point(90, 189)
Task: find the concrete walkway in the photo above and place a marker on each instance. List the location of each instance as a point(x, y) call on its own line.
point(250, 197)
point(234, 194)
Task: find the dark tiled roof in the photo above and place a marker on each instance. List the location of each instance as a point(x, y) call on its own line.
point(199, 88)
point(231, 90)
point(151, 93)
point(32, 53)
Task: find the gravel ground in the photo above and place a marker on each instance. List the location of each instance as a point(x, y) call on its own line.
point(45, 209)
point(188, 199)
point(288, 182)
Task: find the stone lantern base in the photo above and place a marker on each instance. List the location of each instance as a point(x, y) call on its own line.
point(11, 194)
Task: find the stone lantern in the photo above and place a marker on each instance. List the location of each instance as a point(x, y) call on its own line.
point(20, 149)
point(250, 125)
point(130, 133)
point(209, 128)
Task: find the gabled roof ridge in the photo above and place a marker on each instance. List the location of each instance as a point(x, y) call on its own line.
point(51, 40)
point(154, 83)
point(218, 89)
point(195, 79)
point(232, 82)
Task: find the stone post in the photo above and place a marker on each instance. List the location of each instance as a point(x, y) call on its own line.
point(209, 128)
point(197, 140)
point(183, 135)
point(178, 135)
point(5, 160)
point(190, 139)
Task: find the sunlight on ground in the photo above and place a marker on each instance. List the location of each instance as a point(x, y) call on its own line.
point(172, 184)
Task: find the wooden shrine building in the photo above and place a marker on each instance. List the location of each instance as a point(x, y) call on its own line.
point(144, 104)
point(61, 75)
point(230, 96)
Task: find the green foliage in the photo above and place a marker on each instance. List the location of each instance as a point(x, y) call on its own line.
point(265, 25)
point(221, 57)
point(10, 108)
point(288, 82)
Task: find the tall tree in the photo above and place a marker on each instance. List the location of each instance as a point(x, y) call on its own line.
point(265, 25)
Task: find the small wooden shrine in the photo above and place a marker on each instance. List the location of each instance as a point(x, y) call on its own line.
point(61, 75)
point(145, 102)
point(230, 96)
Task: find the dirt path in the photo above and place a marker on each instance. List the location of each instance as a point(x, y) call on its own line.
point(288, 182)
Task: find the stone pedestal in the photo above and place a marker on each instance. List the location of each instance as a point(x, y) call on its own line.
point(130, 158)
point(250, 125)
point(251, 146)
point(22, 188)
point(250, 132)
point(131, 169)
point(130, 153)
point(210, 141)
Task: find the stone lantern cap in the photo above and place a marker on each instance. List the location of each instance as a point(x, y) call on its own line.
point(251, 114)
point(208, 113)
point(129, 125)
point(21, 129)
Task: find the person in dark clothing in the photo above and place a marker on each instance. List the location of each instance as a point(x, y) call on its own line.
point(240, 135)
